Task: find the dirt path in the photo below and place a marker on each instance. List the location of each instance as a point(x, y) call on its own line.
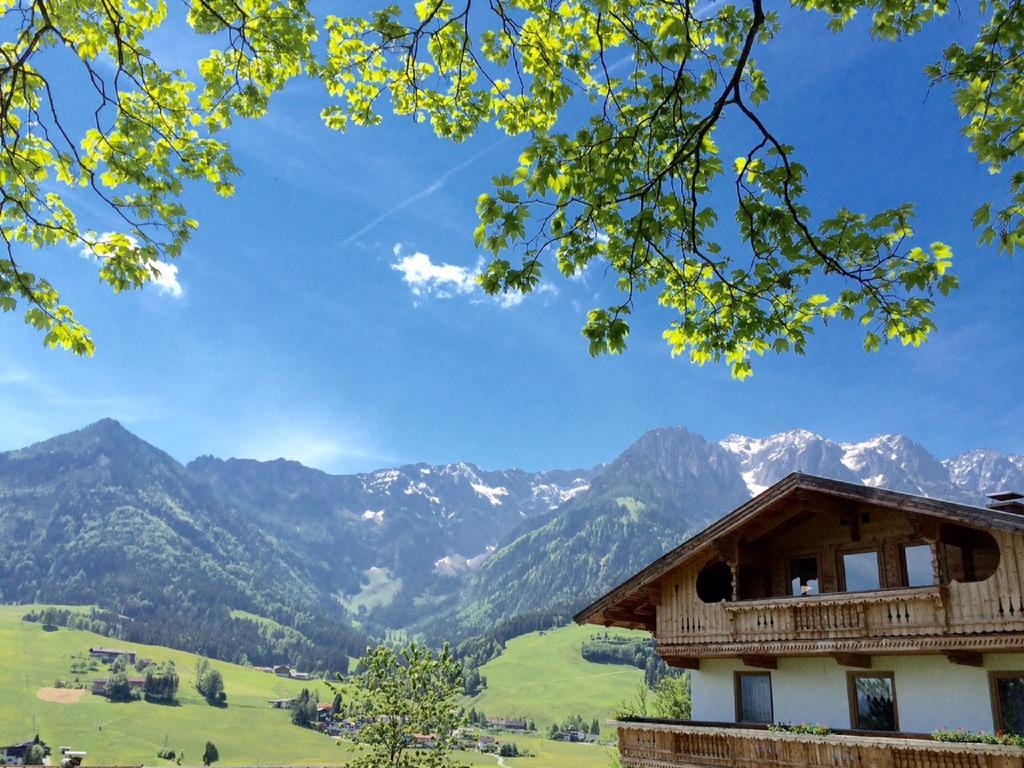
point(60, 695)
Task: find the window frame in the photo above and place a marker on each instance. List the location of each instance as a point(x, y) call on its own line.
point(791, 560)
point(905, 571)
point(851, 693)
point(994, 676)
point(841, 567)
point(737, 676)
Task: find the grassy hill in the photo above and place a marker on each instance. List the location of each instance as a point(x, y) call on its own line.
point(543, 676)
point(247, 731)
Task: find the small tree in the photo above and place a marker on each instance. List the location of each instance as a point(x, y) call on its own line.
point(118, 688)
point(595, 728)
point(508, 749)
point(672, 697)
point(210, 683)
point(35, 753)
point(161, 683)
point(210, 754)
point(400, 693)
point(304, 709)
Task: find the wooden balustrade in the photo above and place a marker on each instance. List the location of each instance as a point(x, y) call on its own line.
point(649, 745)
point(888, 613)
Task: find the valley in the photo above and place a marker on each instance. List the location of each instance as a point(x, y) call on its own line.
point(248, 732)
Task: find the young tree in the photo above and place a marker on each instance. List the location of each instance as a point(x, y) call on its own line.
point(118, 688)
point(632, 186)
point(210, 754)
point(595, 728)
point(161, 683)
point(304, 708)
point(210, 683)
point(672, 697)
point(400, 693)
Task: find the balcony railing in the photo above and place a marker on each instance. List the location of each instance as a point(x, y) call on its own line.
point(661, 745)
point(883, 613)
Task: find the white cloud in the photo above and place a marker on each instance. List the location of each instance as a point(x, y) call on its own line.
point(166, 280)
point(425, 278)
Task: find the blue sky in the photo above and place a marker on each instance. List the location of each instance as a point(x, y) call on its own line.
point(324, 313)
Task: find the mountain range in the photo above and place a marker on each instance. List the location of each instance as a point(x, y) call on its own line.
point(190, 555)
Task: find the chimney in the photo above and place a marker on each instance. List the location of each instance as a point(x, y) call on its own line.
point(1007, 501)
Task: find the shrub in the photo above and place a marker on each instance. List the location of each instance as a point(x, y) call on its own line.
point(808, 728)
point(963, 736)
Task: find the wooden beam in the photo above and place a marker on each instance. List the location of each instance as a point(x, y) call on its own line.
point(682, 662)
point(653, 593)
point(859, 660)
point(761, 662)
point(966, 658)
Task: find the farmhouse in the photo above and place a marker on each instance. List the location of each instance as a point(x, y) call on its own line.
point(101, 685)
point(15, 754)
point(281, 703)
point(110, 655)
point(882, 616)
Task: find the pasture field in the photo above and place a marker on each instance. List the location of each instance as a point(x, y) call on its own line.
point(543, 676)
point(248, 731)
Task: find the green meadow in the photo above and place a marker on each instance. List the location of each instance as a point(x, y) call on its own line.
point(246, 731)
point(540, 676)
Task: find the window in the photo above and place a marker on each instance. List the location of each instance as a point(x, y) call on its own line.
point(860, 571)
point(1008, 701)
point(873, 701)
point(753, 697)
point(714, 582)
point(803, 576)
point(917, 566)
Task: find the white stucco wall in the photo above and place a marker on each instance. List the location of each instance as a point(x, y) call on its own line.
point(931, 692)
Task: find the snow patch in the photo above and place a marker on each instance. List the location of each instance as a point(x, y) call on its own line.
point(752, 485)
point(377, 517)
point(450, 565)
point(493, 495)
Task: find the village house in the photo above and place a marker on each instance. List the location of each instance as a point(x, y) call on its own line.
point(424, 741)
point(100, 685)
point(15, 754)
point(281, 703)
point(486, 743)
point(110, 655)
point(282, 670)
point(508, 724)
point(881, 616)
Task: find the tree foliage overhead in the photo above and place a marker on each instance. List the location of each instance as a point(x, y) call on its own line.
point(620, 101)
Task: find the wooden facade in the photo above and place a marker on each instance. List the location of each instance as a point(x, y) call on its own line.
point(972, 601)
point(821, 568)
point(658, 745)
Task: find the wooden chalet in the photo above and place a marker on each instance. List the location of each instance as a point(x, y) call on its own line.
point(881, 616)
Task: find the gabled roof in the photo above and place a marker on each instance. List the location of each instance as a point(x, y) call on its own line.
point(965, 514)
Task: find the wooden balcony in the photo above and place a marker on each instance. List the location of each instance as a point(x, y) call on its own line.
point(883, 613)
point(687, 745)
point(933, 619)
